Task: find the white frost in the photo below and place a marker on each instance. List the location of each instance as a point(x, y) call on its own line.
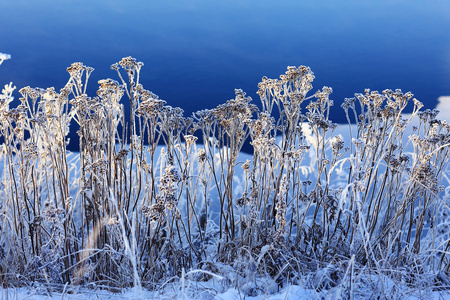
point(4, 56)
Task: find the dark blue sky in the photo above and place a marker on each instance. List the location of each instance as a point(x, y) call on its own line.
point(197, 52)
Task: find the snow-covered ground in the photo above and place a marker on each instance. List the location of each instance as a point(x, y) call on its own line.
point(174, 292)
point(212, 290)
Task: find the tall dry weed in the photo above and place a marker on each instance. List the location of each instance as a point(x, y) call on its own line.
point(124, 211)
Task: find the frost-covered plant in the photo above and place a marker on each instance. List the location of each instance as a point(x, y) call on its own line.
point(311, 204)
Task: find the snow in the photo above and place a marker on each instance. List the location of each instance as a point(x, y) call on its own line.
point(192, 291)
point(291, 292)
point(444, 107)
point(174, 291)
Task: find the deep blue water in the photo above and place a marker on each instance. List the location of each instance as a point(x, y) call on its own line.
point(197, 52)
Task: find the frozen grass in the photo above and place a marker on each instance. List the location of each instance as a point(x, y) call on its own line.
point(349, 211)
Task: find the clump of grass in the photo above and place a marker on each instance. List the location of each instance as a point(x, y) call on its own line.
point(309, 204)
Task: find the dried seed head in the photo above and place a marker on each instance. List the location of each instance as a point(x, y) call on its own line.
point(246, 166)
point(154, 212)
point(151, 107)
point(75, 69)
point(337, 144)
point(31, 150)
point(190, 139)
point(201, 156)
point(128, 62)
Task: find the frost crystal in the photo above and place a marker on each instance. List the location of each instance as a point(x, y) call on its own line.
point(4, 56)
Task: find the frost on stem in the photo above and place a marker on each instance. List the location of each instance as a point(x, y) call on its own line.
point(281, 208)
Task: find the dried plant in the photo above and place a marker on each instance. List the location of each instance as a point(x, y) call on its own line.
point(309, 203)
